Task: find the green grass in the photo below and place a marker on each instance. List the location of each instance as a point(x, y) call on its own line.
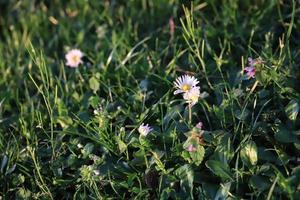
point(53, 146)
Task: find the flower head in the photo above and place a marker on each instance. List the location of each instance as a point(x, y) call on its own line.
point(251, 62)
point(191, 148)
point(192, 95)
point(73, 58)
point(250, 69)
point(144, 129)
point(98, 110)
point(199, 125)
point(185, 83)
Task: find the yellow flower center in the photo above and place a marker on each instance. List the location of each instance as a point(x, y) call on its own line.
point(194, 98)
point(75, 59)
point(186, 87)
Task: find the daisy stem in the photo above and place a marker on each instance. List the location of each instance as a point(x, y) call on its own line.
point(190, 113)
point(146, 161)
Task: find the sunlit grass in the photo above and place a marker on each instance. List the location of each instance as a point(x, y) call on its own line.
point(88, 111)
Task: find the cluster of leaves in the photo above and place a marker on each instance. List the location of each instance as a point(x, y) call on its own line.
point(72, 133)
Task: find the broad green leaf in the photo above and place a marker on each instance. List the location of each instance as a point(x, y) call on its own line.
point(210, 190)
point(241, 114)
point(195, 156)
point(23, 193)
point(87, 149)
point(259, 182)
point(224, 151)
point(18, 180)
point(64, 121)
point(167, 193)
point(219, 169)
point(186, 175)
point(292, 110)
point(266, 154)
point(158, 162)
point(71, 160)
point(222, 193)
point(94, 84)
point(198, 155)
point(122, 146)
point(94, 101)
point(284, 184)
point(248, 153)
point(297, 145)
point(295, 178)
point(172, 114)
point(186, 155)
point(285, 136)
point(62, 109)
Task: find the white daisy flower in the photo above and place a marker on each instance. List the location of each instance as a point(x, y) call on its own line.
point(185, 83)
point(73, 58)
point(144, 129)
point(192, 95)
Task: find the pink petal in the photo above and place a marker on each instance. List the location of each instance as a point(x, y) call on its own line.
point(249, 69)
point(251, 74)
point(191, 148)
point(199, 125)
point(251, 62)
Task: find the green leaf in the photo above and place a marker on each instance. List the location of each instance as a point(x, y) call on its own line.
point(292, 110)
point(18, 180)
point(87, 149)
point(172, 114)
point(186, 155)
point(248, 153)
point(167, 193)
point(297, 145)
point(259, 182)
point(62, 109)
point(285, 136)
point(23, 193)
point(242, 114)
point(224, 151)
point(122, 146)
point(223, 191)
point(210, 190)
point(186, 175)
point(64, 121)
point(94, 101)
point(295, 178)
point(266, 154)
point(158, 162)
point(94, 84)
point(198, 155)
point(219, 169)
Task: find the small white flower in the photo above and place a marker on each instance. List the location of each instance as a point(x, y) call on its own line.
point(185, 83)
point(96, 172)
point(98, 110)
point(73, 58)
point(144, 129)
point(192, 95)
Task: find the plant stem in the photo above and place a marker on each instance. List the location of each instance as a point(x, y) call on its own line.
point(146, 161)
point(190, 113)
